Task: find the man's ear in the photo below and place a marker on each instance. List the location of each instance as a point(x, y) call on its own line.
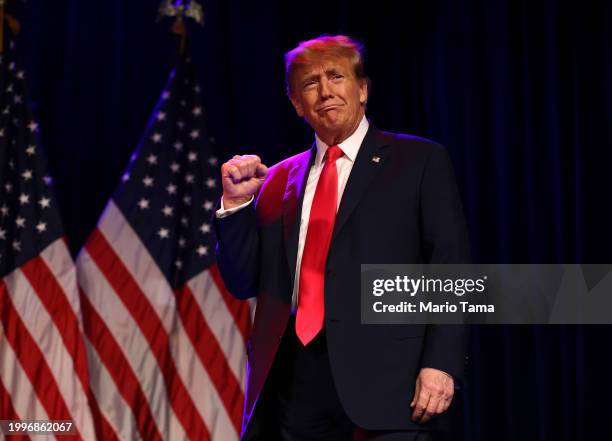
point(363, 92)
point(297, 105)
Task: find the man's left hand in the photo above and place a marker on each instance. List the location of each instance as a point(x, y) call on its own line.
point(432, 395)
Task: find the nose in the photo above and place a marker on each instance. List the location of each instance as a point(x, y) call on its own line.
point(324, 89)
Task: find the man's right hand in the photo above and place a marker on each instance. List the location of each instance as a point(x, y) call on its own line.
point(241, 177)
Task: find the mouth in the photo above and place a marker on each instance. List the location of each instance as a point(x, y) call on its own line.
point(328, 108)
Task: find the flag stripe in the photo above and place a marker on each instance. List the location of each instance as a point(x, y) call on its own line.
point(8, 411)
point(60, 263)
point(31, 360)
point(153, 330)
point(24, 399)
point(49, 318)
point(103, 428)
point(211, 355)
point(117, 419)
point(206, 387)
point(136, 259)
point(202, 388)
point(111, 355)
point(133, 346)
point(221, 322)
point(60, 277)
point(44, 274)
point(239, 308)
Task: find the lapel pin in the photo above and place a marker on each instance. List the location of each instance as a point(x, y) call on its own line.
point(376, 159)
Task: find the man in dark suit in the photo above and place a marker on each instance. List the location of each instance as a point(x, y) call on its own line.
point(295, 236)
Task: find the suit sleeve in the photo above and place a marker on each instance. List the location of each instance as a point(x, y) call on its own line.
point(445, 240)
point(237, 251)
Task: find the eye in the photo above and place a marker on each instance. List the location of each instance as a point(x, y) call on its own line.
point(309, 85)
point(336, 77)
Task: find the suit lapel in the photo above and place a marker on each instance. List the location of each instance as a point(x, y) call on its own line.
point(368, 163)
point(292, 205)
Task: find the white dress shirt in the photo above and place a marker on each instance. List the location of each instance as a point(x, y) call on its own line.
point(344, 165)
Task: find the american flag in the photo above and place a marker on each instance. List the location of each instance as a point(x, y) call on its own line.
point(43, 359)
point(167, 358)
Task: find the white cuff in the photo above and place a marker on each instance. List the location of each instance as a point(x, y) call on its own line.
point(222, 212)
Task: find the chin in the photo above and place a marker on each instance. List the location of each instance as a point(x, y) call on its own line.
point(335, 123)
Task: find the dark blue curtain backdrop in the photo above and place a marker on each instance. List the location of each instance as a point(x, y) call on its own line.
point(518, 90)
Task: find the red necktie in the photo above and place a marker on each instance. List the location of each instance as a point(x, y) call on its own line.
point(311, 307)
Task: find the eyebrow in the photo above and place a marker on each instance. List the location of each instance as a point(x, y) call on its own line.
point(310, 78)
point(328, 72)
point(331, 71)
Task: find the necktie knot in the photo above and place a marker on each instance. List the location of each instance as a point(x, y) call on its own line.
point(333, 152)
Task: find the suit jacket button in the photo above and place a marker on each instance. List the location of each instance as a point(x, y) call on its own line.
point(280, 337)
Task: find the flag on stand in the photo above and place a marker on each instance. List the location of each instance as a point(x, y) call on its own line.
point(43, 360)
point(167, 342)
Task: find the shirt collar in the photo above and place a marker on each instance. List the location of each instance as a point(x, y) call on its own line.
point(350, 146)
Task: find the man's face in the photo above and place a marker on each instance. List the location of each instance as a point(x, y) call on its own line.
point(330, 98)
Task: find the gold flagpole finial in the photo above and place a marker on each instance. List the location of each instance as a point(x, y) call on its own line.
point(179, 9)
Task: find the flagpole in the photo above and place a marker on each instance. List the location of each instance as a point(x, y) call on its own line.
point(2, 2)
point(178, 27)
point(12, 23)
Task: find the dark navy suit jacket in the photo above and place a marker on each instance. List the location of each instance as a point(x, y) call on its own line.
point(402, 208)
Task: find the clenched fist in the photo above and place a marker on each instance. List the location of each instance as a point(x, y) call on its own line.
point(241, 177)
